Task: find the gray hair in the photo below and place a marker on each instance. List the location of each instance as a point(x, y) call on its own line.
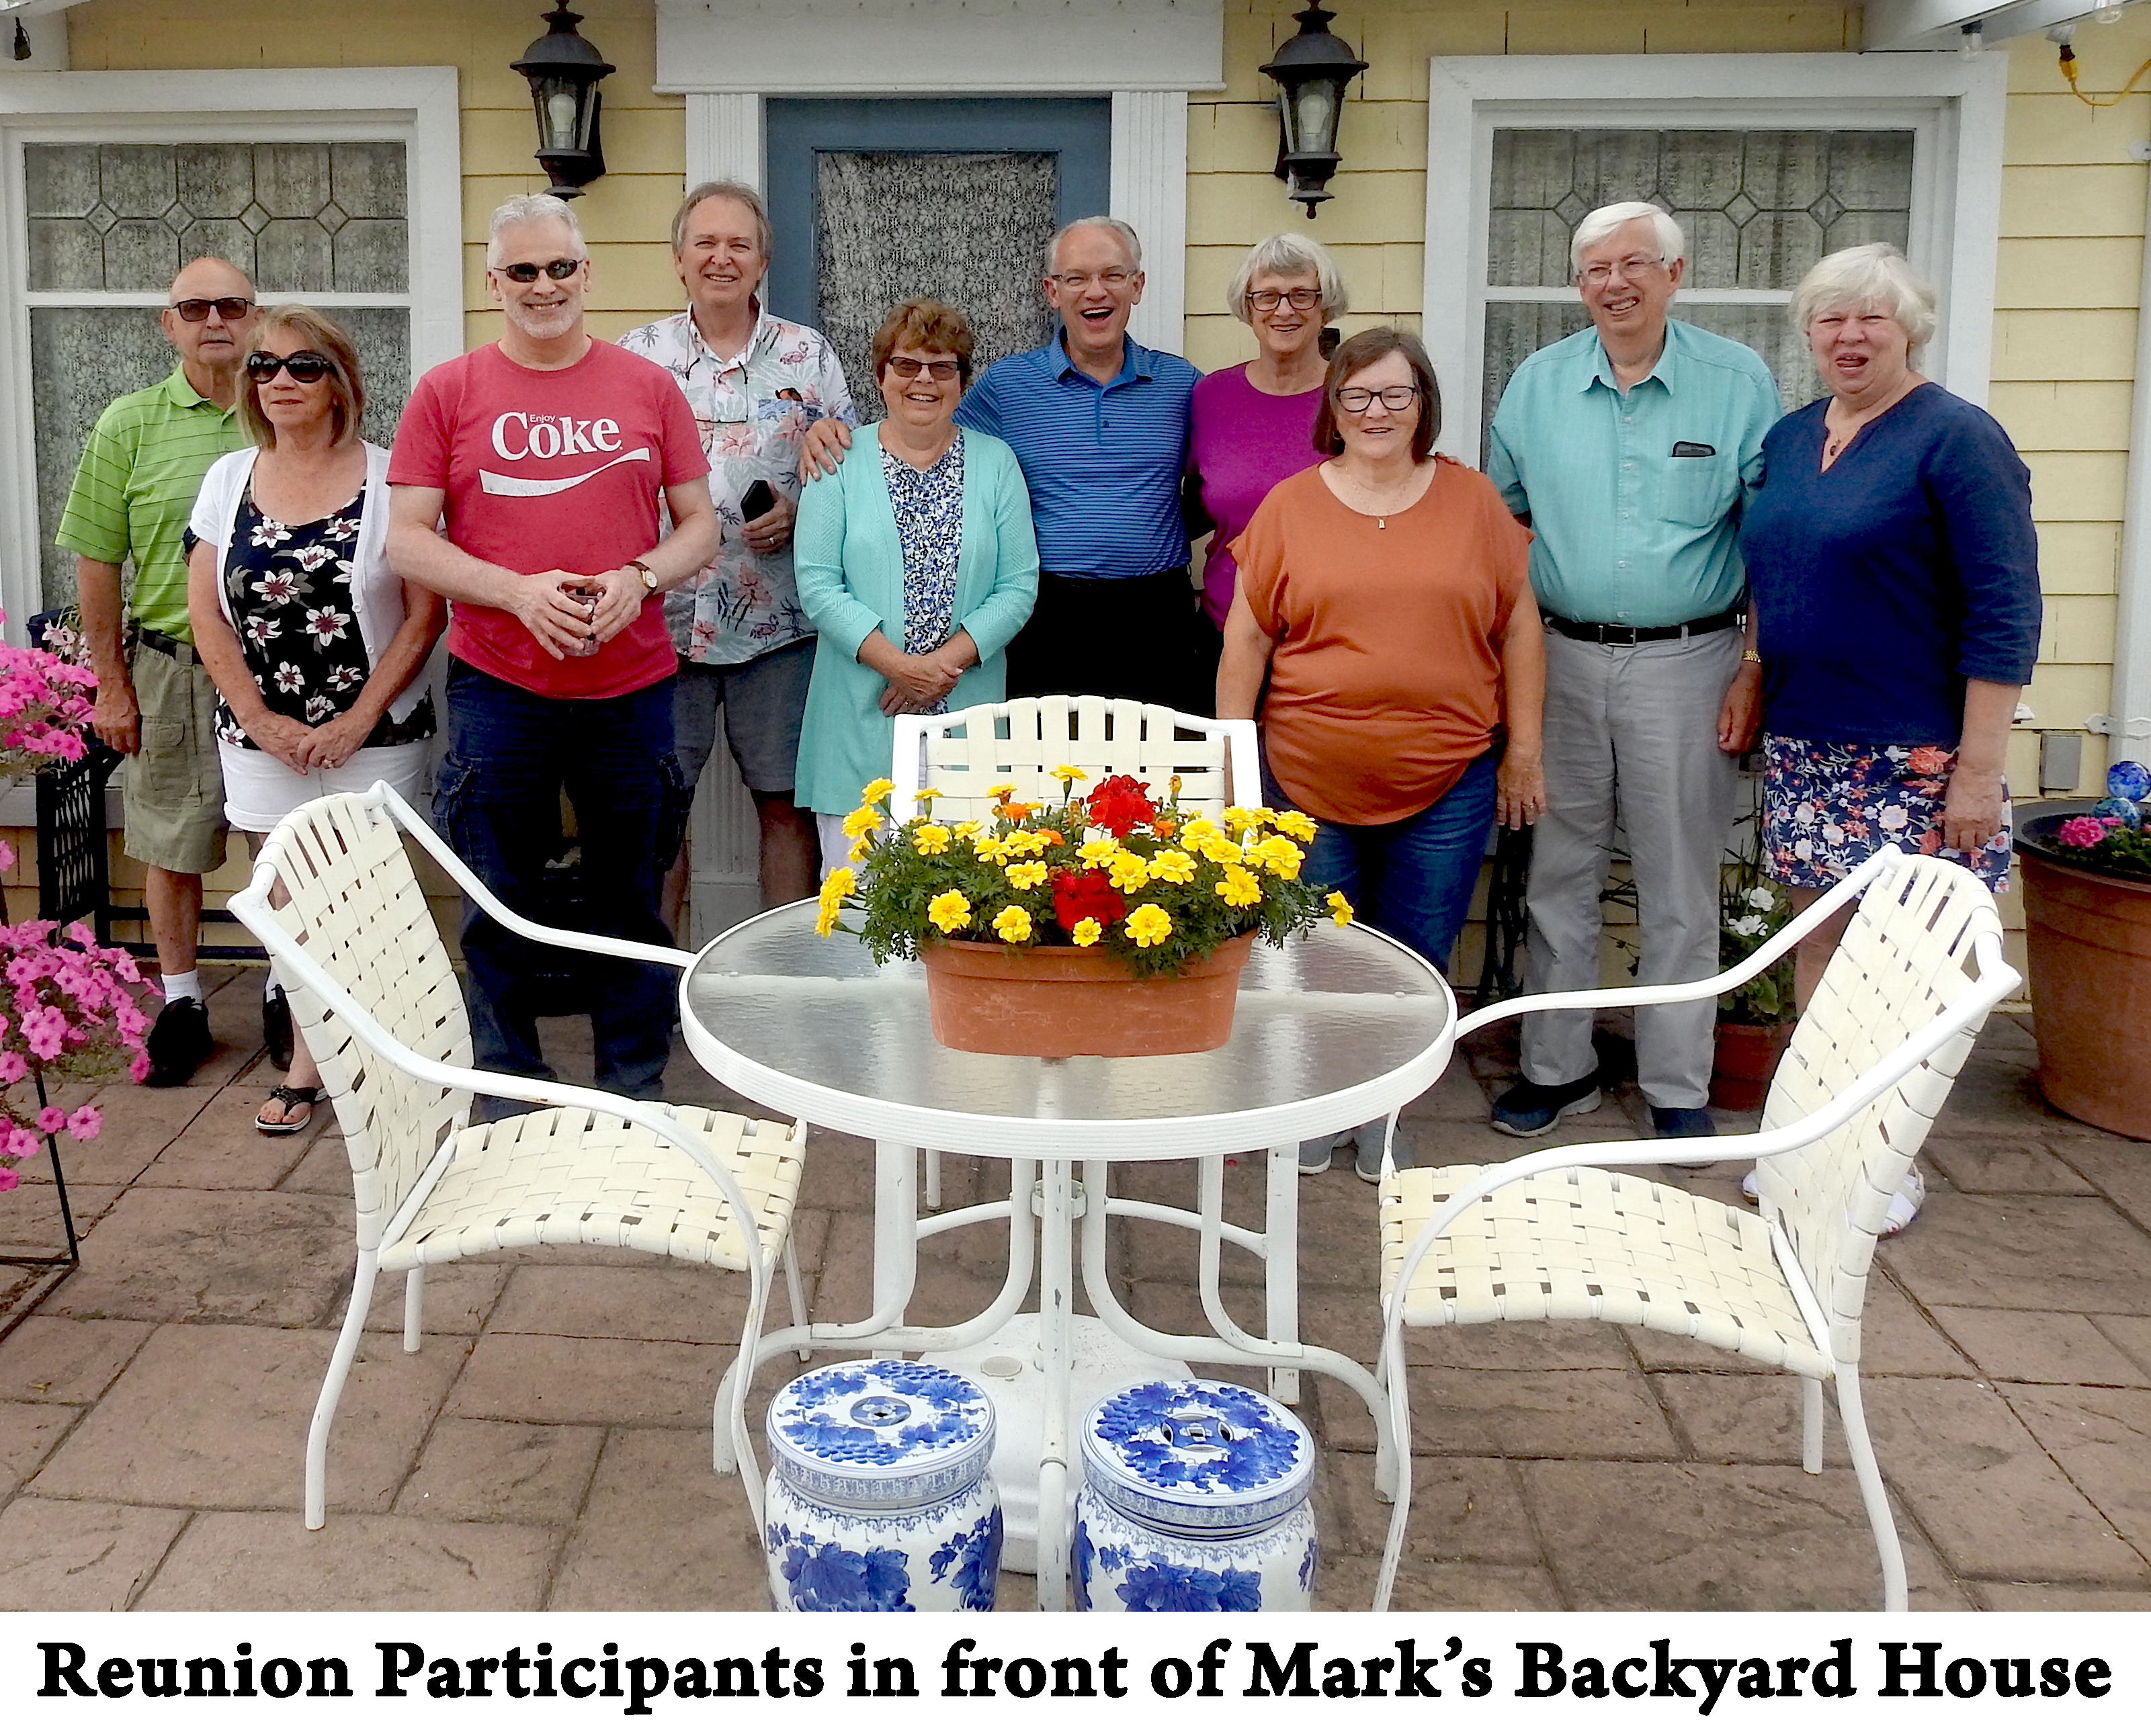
point(530, 208)
point(1598, 224)
point(1875, 276)
point(1128, 237)
point(738, 191)
point(1286, 254)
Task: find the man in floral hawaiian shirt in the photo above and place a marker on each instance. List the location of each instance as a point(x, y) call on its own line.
point(756, 383)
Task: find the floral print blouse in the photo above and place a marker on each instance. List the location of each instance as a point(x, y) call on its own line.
point(929, 522)
point(289, 586)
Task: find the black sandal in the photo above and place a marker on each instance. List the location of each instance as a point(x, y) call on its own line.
point(291, 1096)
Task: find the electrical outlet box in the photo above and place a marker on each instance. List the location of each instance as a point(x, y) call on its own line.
point(2061, 760)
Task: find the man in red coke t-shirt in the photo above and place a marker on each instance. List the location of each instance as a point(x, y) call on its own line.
point(524, 488)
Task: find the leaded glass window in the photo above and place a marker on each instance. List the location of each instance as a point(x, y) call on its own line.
point(1759, 207)
point(108, 227)
point(881, 237)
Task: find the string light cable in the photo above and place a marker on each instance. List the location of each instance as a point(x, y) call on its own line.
point(2068, 65)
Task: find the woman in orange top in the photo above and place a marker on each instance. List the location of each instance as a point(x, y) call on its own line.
point(1384, 599)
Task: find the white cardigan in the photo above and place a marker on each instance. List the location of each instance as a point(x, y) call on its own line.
point(376, 594)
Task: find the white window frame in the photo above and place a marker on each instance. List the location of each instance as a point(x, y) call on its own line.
point(417, 106)
point(1953, 105)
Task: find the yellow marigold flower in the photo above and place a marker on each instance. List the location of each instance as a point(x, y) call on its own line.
point(1264, 816)
point(1024, 876)
point(929, 795)
point(993, 847)
point(1278, 856)
point(860, 821)
point(1238, 887)
point(1025, 843)
point(1175, 867)
point(879, 789)
point(1098, 851)
point(1296, 824)
point(1012, 923)
point(1340, 909)
point(1130, 871)
point(1071, 774)
point(1238, 819)
point(930, 840)
point(1147, 925)
point(966, 828)
point(825, 921)
point(842, 883)
point(1087, 932)
point(1219, 849)
point(862, 849)
point(949, 912)
point(1002, 792)
point(1196, 829)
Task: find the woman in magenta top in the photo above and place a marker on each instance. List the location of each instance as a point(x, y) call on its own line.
point(1252, 423)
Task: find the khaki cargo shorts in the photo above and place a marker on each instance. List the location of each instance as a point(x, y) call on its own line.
point(175, 785)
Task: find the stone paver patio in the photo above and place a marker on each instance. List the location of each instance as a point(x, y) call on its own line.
point(548, 1449)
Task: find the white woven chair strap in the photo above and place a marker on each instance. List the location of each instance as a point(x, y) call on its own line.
point(1594, 1244)
point(571, 1177)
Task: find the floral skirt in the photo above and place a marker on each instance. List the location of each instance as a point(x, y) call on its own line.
point(1829, 806)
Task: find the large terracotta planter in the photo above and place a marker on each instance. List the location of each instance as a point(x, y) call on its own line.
point(1062, 1000)
point(2090, 938)
point(1744, 1062)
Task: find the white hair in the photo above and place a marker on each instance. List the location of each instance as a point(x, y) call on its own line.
point(1875, 277)
point(1598, 224)
point(1129, 238)
point(526, 209)
point(1286, 254)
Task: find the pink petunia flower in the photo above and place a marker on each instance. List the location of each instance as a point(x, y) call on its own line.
point(87, 1122)
point(51, 1119)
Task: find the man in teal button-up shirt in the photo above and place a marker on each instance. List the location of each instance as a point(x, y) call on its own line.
point(1629, 449)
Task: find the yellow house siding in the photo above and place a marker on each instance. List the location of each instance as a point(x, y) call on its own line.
point(625, 215)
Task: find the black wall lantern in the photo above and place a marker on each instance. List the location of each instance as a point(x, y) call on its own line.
point(1312, 70)
point(564, 71)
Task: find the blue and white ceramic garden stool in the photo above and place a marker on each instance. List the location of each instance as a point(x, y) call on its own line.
point(1195, 1497)
point(879, 1494)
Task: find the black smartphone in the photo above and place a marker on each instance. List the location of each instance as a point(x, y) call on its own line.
point(759, 499)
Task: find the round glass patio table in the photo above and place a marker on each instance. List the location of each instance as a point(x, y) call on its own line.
point(1334, 1030)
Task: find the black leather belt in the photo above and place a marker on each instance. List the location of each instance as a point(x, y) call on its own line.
point(178, 650)
point(1599, 633)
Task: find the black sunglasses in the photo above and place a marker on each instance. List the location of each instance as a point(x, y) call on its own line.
point(303, 366)
point(906, 367)
point(195, 308)
point(523, 272)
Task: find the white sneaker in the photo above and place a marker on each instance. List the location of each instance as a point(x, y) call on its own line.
point(1748, 1188)
point(1905, 1204)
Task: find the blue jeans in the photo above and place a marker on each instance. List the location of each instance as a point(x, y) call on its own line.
point(510, 753)
point(1412, 877)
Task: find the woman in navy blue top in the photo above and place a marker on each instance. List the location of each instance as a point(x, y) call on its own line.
point(1894, 575)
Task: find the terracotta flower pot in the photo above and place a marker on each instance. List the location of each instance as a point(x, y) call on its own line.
point(1745, 1060)
point(2089, 940)
point(1060, 1000)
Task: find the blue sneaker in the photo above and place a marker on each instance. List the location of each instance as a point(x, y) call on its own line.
point(1528, 1109)
point(1682, 1123)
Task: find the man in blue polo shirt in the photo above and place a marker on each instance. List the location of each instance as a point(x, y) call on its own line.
point(1099, 424)
point(1630, 449)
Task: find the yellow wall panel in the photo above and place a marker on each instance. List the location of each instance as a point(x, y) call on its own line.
point(2046, 128)
point(2097, 344)
point(2084, 198)
point(2095, 272)
point(2077, 484)
point(2084, 557)
point(2061, 416)
point(2076, 629)
point(2064, 694)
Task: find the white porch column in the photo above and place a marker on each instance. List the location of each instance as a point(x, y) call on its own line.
point(724, 137)
point(1149, 192)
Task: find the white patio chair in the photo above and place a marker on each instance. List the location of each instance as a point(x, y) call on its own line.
point(372, 991)
point(1871, 1061)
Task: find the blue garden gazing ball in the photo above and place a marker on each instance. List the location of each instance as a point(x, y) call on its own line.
point(2121, 808)
point(2129, 779)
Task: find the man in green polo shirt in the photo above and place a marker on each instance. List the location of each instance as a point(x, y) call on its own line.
point(134, 492)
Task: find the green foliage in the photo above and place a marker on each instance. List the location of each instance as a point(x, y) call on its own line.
point(1751, 909)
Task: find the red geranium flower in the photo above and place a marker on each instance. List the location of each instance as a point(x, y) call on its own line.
point(1086, 892)
point(1120, 804)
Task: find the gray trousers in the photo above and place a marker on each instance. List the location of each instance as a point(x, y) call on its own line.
point(1631, 735)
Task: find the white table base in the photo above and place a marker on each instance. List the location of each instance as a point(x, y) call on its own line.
point(1010, 1369)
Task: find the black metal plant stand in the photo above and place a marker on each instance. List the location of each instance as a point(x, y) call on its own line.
point(68, 1261)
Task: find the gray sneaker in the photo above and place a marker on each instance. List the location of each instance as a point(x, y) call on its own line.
point(1367, 1163)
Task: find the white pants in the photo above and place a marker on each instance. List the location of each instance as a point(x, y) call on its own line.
point(1632, 735)
point(259, 789)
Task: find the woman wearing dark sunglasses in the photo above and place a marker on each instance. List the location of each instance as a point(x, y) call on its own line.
point(916, 560)
point(316, 647)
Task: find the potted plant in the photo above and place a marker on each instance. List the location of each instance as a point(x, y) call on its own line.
point(1754, 1021)
point(2088, 924)
point(1105, 924)
point(67, 1006)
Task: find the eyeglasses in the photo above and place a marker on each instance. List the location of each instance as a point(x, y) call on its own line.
point(195, 308)
point(304, 366)
point(1355, 399)
point(1635, 265)
point(907, 367)
point(559, 269)
point(1267, 301)
point(1075, 281)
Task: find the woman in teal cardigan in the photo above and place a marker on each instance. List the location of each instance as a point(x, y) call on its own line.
point(916, 560)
